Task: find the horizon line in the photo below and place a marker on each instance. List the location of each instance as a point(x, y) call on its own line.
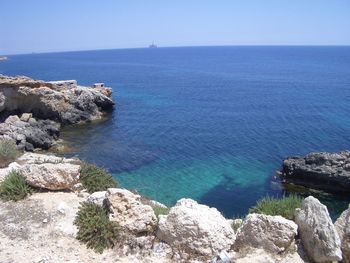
point(194, 46)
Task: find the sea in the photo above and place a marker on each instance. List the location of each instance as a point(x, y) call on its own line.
point(208, 123)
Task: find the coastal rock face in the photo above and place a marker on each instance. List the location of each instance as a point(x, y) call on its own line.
point(318, 234)
point(274, 234)
point(192, 229)
point(128, 211)
point(45, 171)
point(29, 133)
point(327, 171)
point(62, 101)
point(342, 225)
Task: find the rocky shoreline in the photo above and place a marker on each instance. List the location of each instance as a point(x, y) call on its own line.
point(325, 171)
point(33, 111)
point(42, 227)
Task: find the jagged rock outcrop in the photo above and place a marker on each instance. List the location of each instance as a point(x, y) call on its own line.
point(128, 211)
point(275, 234)
point(327, 171)
point(196, 230)
point(318, 234)
point(29, 133)
point(63, 101)
point(342, 225)
point(45, 171)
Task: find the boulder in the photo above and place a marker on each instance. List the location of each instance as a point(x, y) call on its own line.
point(45, 171)
point(63, 101)
point(326, 171)
point(317, 232)
point(342, 225)
point(128, 211)
point(97, 197)
point(197, 230)
point(26, 117)
point(275, 234)
point(29, 133)
point(51, 176)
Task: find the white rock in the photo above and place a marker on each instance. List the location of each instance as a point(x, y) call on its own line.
point(194, 229)
point(342, 225)
point(97, 197)
point(126, 209)
point(51, 176)
point(4, 172)
point(36, 158)
point(61, 208)
point(318, 234)
point(26, 116)
point(274, 234)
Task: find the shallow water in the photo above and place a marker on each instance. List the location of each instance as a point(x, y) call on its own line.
point(209, 123)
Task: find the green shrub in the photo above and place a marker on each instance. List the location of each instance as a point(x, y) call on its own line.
point(14, 187)
point(159, 210)
point(8, 152)
point(95, 179)
point(237, 223)
point(94, 227)
point(274, 206)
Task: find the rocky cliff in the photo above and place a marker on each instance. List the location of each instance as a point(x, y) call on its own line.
point(56, 101)
point(325, 171)
point(33, 110)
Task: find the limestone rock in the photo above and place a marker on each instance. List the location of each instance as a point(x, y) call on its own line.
point(274, 234)
point(342, 226)
point(194, 229)
point(51, 176)
point(29, 133)
point(128, 211)
point(5, 171)
point(26, 117)
point(97, 197)
point(318, 234)
point(62, 101)
point(326, 171)
point(45, 171)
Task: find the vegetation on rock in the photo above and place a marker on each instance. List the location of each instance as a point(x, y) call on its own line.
point(8, 152)
point(94, 227)
point(96, 179)
point(14, 187)
point(160, 210)
point(237, 223)
point(278, 206)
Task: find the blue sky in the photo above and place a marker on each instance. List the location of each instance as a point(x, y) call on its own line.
point(61, 25)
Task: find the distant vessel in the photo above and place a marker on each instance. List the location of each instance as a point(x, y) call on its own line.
point(3, 58)
point(153, 45)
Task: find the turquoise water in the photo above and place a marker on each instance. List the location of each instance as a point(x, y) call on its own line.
point(209, 123)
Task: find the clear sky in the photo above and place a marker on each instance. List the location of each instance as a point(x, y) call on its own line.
point(59, 25)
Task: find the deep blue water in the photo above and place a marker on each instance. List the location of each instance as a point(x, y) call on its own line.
point(209, 123)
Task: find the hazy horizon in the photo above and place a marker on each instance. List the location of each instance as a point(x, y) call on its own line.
point(46, 26)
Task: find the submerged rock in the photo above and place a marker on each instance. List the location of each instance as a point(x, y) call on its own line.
point(275, 234)
point(342, 226)
point(318, 234)
point(62, 101)
point(195, 230)
point(326, 171)
point(29, 133)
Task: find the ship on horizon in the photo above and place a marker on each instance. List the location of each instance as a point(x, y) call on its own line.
point(153, 45)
